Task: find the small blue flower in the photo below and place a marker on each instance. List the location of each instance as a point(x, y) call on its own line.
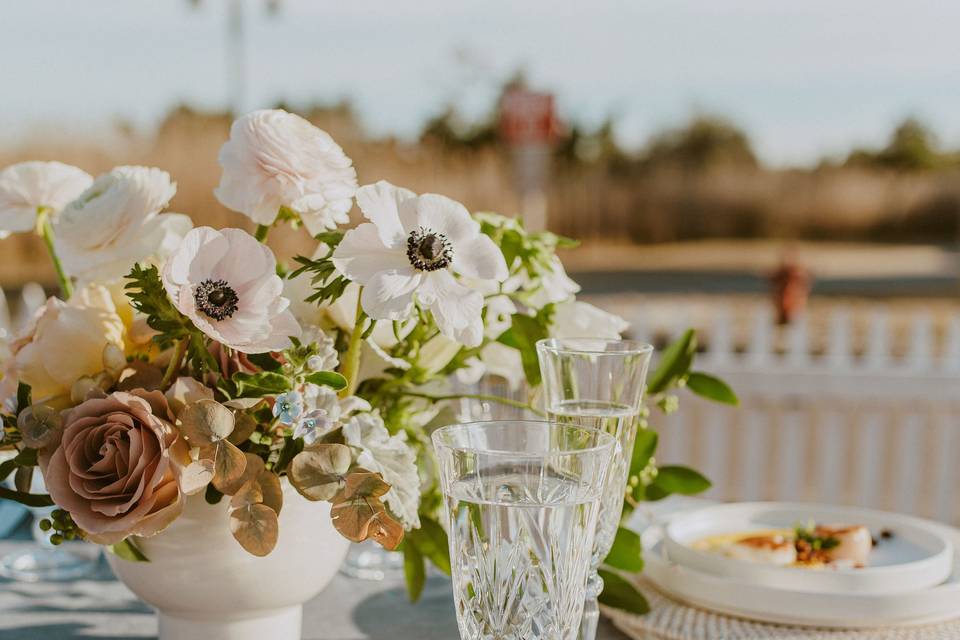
point(288, 407)
point(312, 426)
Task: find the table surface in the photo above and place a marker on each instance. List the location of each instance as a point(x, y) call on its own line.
point(100, 608)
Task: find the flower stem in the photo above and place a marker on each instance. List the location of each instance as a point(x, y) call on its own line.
point(179, 350)
point(351, 361)
point(476, 396)
point(262, 232)
point(46, 231)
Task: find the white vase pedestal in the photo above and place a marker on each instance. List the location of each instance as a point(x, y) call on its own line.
point(206, 587)
point(279, 623)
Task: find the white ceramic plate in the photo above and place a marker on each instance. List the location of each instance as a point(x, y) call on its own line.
point(745, 599)
point(918, 556)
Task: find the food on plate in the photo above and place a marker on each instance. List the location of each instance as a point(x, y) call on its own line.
point(824, 546)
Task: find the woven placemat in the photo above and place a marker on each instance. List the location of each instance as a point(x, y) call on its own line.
point(672, 620)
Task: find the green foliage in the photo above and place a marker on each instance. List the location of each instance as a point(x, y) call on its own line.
point(674, 364)
point(26, 499)
point(264, 383)
point(330, 379)
point(414, 570)
point(711, 388)
point(327, 284)
point(620, 594)
point(523, 334)
point(148, 296)
point(676, 479)
point(704, 142)
point(643, 449)
point(128, 551)
point(431, 541)
point(24, 396)
point(626, 553)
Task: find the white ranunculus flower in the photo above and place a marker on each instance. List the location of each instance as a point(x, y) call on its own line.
point(226, 283)
point(117, 222)
point(576, 319)
point(553, 285)
point(410, 250)
point(64, 341)
point(276, 159)
point(393, 458)
point(27, 187)
point(571, 319)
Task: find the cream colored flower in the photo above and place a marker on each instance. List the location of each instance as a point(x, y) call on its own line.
point(276, 159)
point(227, 284)
point(117, 222)
point(64, 342)
point(27, 187)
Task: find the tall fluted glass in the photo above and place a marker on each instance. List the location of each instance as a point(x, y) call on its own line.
point(521, 501)
point(598, 383)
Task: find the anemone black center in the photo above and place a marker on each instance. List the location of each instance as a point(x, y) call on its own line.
point(216, 299)
point(429, 250)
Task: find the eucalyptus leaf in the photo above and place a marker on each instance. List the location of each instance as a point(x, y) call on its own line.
point(711, 388)
point(206, 422)
point(256, 528)
point(195, 477)
point(626, 553)
point(620, 594)
point(228, 467)
point(271, 490)
point(330, 379)
point(244, 426)
point(414, 571)
point(318, 473)
point(249, 494)
point(23, 479)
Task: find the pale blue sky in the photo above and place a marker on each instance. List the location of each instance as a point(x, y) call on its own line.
point(804, 78)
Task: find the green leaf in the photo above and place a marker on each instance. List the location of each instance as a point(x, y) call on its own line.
point(26, 458)
point(414, 570)
point(265, 361)
point(23, 396)
point(620, 594)
point(674, 363)
point(431, 541)
point(523, 335)
point(212, 496)
point(643, 450)
point(26, 499)
point(627, 552)
point(330, 379)
point(682, 480)
point(712, 388)
point(128, 551)
point(254, 385)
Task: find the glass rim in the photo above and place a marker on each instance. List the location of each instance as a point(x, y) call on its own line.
point(556, 345)
point(607, 441)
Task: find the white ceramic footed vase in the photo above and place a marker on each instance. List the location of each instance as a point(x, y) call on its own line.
point(206, 587)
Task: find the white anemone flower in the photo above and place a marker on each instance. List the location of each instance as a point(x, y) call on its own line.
point(226, 283)
point(410, 252)
point(117, 222)
point(276, 159)
point(29, 187)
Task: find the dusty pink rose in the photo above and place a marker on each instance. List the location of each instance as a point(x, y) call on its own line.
point(113, 470)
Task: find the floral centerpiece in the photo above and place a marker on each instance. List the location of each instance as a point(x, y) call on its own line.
point(185, 365)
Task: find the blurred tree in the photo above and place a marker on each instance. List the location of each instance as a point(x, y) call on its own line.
point(912, 146)
point(706, 141)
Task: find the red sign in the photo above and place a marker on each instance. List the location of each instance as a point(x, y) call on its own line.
point(528, 117)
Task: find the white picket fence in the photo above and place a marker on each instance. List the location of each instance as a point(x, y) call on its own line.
point(856, 416)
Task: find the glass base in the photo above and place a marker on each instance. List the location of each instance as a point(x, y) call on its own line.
point(48, 565)
point(370, 561)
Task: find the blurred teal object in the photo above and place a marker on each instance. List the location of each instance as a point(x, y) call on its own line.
point(11, 515)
